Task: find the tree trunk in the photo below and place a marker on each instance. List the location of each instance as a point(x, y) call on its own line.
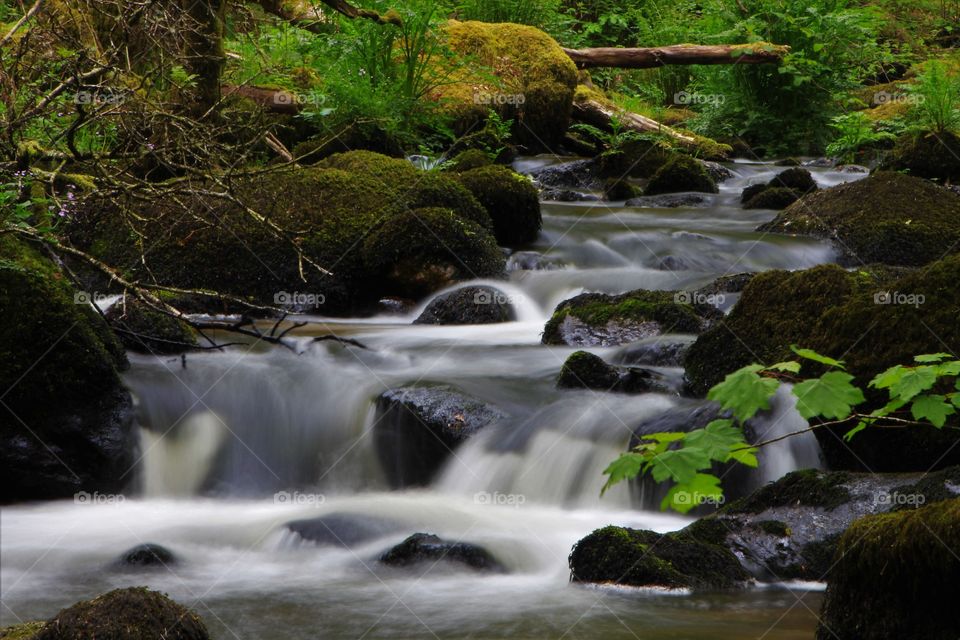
point(757, 53)
point(204, 53)
point(599, 114)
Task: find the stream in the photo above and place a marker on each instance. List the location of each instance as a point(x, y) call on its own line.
point(237, 443)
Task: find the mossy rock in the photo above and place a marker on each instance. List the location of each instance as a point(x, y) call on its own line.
point(358, 137)
point(584, 370)
point(842, 314)
point(795, 178)
point(525, 62)
point(424, 250)
point(433, 189)
point(936, 157)
point(511, 201)
point(618, 555)
point(772, 198)
point(809, 487)
point(890, 577)
point(594, 319)
point(143, 329)
point(681, 173)
point(887, 217)
point(135, 613)
point(67, 420)
point(615, 189)
point(470, 159)
point(395, 174)
point(635, 158)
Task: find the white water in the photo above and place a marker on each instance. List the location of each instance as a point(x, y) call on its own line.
point(225, 434)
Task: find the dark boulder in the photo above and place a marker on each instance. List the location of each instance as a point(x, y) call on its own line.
point(147, 555)
point(342, 529)
point(577, 175)
point(781, 191)
point(619, 189)
point(511, 201)
point(125, 614)
point(583, 370)
point(680, 173)
point(425, 547)
point(469, 305)
point(417, 428)
point(772, 198)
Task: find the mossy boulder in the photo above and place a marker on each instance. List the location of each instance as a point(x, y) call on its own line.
point(420, 251)
point(887, 217)
point(775, 198)
point(622, 556)
point(796, 178)
point(584, 370)
point(143, 329)
point(358, 136)
point(135, 613)
point(597, 319)
point(681, 173)
point(618, 189)
point(468, 305)
point(890, 577)
point(533, 81)
point(328, 214)
point(936, 157)
point(860, 317)
point(470, 159)
point(781, 191)
point(66, 420)
point(426, 548)
point(634, 158)
point(511, 201)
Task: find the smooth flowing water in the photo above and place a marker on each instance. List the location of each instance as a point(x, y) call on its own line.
point(237, 443)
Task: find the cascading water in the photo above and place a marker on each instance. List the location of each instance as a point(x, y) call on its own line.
point(226, 435)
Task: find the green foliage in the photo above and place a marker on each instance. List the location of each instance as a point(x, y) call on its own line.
point(537, 13)
point(931, 388)
point(854, 132)
point(937, 99)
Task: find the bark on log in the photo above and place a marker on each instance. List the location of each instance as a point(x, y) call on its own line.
point(598, 114)
point(653, 57)
point(272, 100)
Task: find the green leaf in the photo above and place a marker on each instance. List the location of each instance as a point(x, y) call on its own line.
point(745, 456)
point(810, 354)
point(932, 357)
point(790, 365)
point(744, 392)
point(863, 424)
point(830, 396)
point(933, 408)
point(679, 465)
point(949, 369)
point(888, 378)
point(914, 380)
point(702, 488)
point(716, 439)
point(626, 467)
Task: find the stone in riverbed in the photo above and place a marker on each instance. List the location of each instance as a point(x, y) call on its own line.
point(425, 547)
point(417, 428)
point(147, 555)
point(583, 370)
point(680, 173)
point(469, 305)
point(669, 201)
point(342, 529)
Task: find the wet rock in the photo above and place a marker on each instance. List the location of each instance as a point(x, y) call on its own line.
point(425, 547)
point(669, 201)
point(618, 555)
point(417, 428)
point(469, 305)
point(146, 330)
point(783, 190)
point(820, 163)
point(680, 173)
point(576, 175)
point(147, 555)
point(531, 261)
point(596, 319)
point(733, 283)
point(890, 577)
point(656, 354)
point(889, 218)
point(66, 418)
point(717, 171)
point(852, 168)
point(584, 370)
point(776, 198)
point(615, 189)
point(554, 194)
point(125, 614)
point(343, 529)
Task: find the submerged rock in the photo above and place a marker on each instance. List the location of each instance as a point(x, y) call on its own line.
point(618, 555)
point(680, 173)
point(583, 370)
point(417, 428)
point(426, 547)
point(669, 201)
point(125, 614)
point(469, 305)
point(597, 319)
point(531, 261)
point(887, 217)
point(892, 575)
point(342, 529)
point(147, 555)
point(66, 420)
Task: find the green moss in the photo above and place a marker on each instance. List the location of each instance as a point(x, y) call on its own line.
point(432, 189)
point(643, 558)
point(470, 159)
point(358, 136)
point(22, 631)
point(511, 201)
point(639, 306)
point(887, 217)
point(891, 575)
point(771, 198)
point(936, 157)
point(426, 249)
point(680, 173)
point(132, 614)
point(394, 173)
point(145, 330)
point(808, 487)
point(585, 370)
point(615, 189)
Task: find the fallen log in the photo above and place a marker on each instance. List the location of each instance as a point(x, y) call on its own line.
point(591, 108)
point(272, 100)
point(653, 57)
